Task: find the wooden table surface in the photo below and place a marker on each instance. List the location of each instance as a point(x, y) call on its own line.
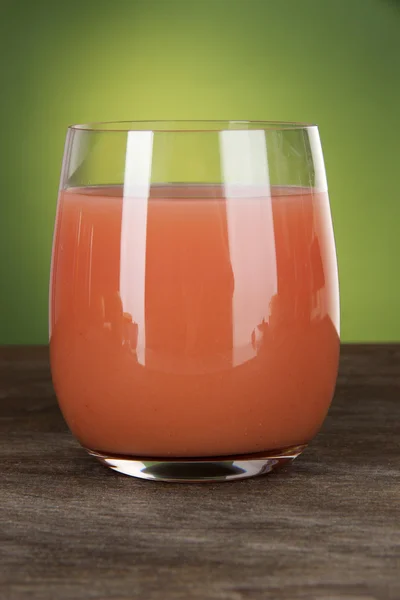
point(327, 527)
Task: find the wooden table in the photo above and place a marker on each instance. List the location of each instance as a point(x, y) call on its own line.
point(328, 527)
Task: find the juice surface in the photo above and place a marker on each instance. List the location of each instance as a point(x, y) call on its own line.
point(191, 324)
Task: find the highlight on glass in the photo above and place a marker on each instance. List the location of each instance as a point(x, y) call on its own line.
point(194, 303)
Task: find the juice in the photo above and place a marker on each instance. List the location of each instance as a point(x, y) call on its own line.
point(188, 323)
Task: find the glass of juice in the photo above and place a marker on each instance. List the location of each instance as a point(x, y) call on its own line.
point(194, 303)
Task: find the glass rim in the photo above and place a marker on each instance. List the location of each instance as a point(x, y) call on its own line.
point(190, 126)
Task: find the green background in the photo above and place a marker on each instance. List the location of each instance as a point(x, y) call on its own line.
point(334, 62)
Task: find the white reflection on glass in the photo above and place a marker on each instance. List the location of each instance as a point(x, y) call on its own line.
point(138, 160)
point(244, 165)
point(317, 160)
point(321, 185)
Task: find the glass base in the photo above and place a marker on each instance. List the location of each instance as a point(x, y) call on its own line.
point(181, 470)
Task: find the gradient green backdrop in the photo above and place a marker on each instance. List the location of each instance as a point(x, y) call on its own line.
point(334, 62)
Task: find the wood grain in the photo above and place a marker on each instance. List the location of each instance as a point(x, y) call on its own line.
point(328, 527)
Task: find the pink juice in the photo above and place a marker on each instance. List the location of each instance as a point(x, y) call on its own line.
point(190, 324)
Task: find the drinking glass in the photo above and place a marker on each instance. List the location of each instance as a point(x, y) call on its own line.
point(194, 305)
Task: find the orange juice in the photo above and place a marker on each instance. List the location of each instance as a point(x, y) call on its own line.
point(192, 324)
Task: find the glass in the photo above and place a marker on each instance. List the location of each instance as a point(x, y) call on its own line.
point(194, 321)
